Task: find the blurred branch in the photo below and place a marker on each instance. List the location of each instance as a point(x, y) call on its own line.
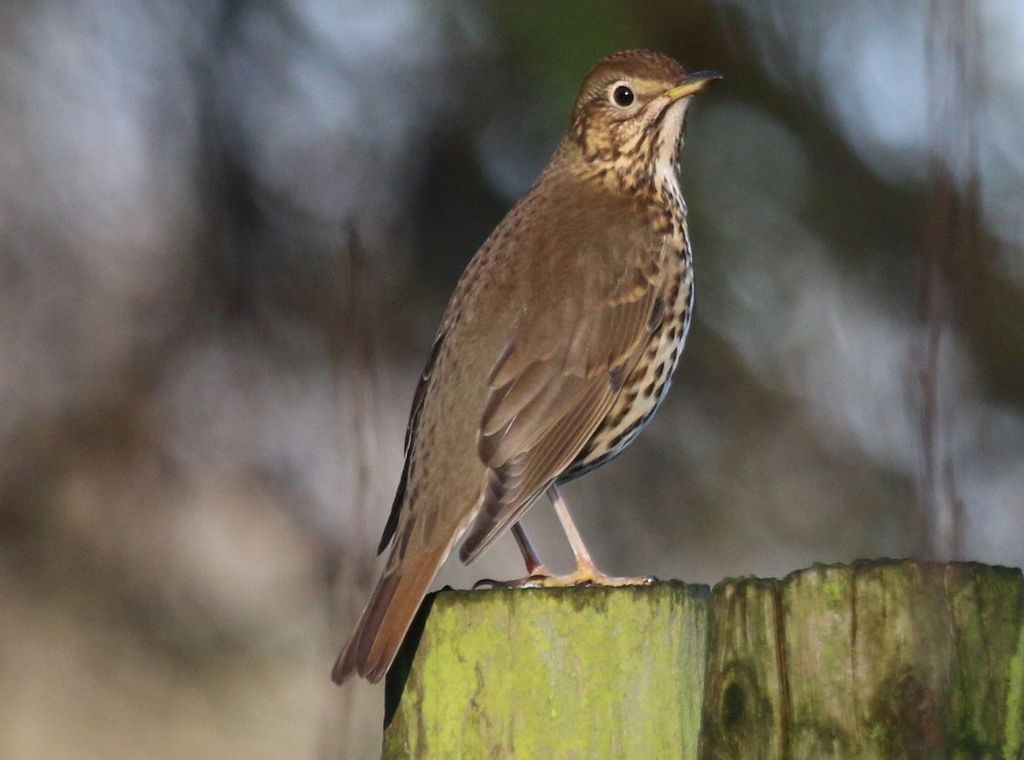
point(949, 246)
point(932, 312)
point(362, 368)
point(351, 570)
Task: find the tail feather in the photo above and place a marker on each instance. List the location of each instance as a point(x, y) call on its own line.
point(387, 617)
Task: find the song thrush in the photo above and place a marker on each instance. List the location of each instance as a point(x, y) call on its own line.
point(556, 348)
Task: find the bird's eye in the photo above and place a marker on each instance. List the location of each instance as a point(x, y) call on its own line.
point(622, 96)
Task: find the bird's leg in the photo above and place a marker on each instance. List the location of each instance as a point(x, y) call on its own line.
point(586, 571)
point(534, 566)
point(536, 572)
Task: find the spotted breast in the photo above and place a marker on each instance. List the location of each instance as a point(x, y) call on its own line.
point(648, 384)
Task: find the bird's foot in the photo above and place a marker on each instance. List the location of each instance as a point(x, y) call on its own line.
point(591, 576)
point(535, 579)
point(584, 575)
point(580, 577)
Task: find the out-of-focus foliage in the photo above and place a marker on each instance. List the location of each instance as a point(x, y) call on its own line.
point(228, 229)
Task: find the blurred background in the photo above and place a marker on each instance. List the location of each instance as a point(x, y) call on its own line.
point(228, 230)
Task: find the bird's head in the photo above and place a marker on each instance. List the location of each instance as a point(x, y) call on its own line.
point(629, 115)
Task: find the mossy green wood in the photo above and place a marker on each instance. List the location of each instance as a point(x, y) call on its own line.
point(747, 668)
point(871, 660)
point(561, 673)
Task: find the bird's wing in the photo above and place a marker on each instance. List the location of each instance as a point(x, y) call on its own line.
point(551, 388)
point(414, 416)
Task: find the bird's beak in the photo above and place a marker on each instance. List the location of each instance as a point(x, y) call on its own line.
point(693, 84)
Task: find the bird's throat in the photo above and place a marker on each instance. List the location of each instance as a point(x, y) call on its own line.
point(668, 142)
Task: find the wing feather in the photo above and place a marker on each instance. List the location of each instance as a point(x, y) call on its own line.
point(544, 406)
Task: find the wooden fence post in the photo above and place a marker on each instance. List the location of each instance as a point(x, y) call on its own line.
point(871, 660)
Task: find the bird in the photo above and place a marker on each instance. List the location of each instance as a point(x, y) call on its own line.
point(556, 348)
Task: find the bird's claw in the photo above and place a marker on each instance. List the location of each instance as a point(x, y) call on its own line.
point(542, 580)
point(531, 581)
